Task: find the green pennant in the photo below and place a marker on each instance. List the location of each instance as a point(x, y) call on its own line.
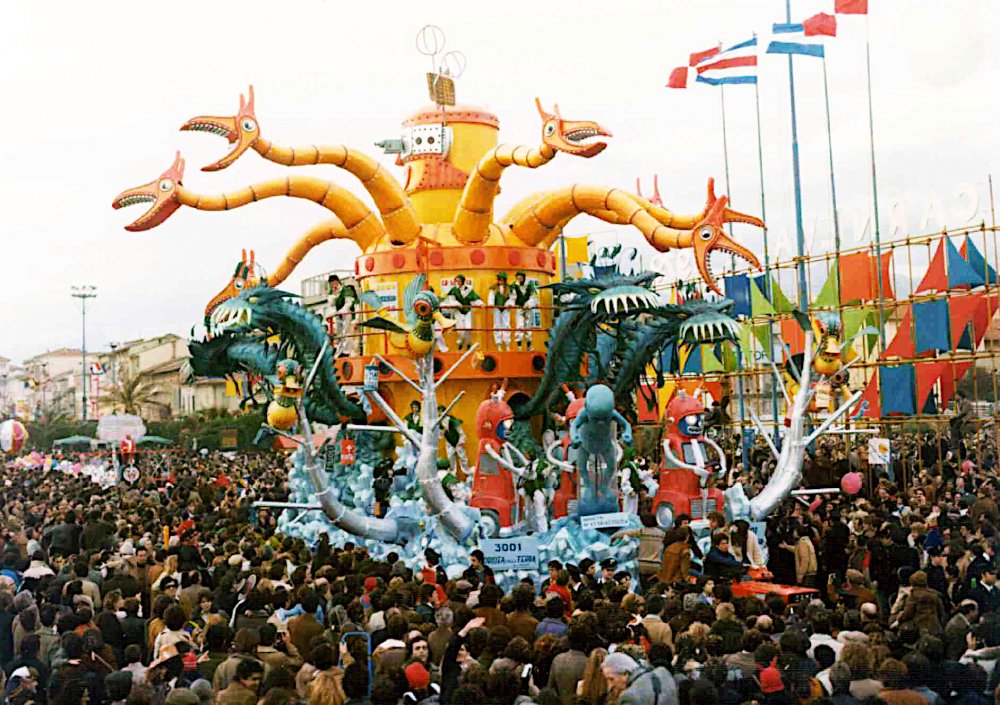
point(759, 305)
point(829, 295)
point(709, 362)
point(746, 336)
point(729, 359)
point(778, 298)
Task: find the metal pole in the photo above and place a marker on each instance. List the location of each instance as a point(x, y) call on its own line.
point(562, 256)
point(725, 157)
point(993, 213)
point(878, 234)
point(767, 261)
point(833, 180)
point(83, 293)
point(800, 235)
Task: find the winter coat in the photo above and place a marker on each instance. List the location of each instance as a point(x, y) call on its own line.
point(676, 562)
point(650, 686)
point(925, 609)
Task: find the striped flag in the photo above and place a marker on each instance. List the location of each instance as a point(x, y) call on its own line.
point(795, 39)
point(737, 64)
point(734, 65)
point(96, 368)
point(679, 76)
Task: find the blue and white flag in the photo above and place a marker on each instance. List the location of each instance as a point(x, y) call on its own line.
point(794, 39)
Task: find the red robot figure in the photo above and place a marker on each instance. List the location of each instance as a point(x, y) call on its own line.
point(499, 463)
point(684, 476)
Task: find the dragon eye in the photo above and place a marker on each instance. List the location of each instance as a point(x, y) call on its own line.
point(238, 284)
point(248, 125)
point(706, 234)
point(166, 185)
point(550, 129)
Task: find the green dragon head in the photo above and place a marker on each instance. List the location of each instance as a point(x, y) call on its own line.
point(252, 310)
point(707, 322)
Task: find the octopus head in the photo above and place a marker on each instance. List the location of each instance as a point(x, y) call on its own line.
point(241, 130)
point(162, 193)
point(709, 236)
point(571, 136)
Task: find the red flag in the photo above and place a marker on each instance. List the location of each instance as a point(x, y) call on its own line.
point(851, 7)
point(902, 343)
point(678, 78)
point(821, 24)
point(700, 56)
point(936, 277)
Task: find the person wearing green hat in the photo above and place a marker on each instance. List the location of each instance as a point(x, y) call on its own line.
point(499, 300)
point(526, 303)
point(462, 297)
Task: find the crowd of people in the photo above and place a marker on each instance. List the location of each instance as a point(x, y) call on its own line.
point(175, 591)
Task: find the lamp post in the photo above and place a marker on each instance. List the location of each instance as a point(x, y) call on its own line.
point(83, 293)
point(114, 363)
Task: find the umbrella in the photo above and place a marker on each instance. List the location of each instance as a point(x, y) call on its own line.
point(73, 441)
point(160, 440)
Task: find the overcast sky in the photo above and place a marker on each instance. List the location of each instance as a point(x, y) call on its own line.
point(93, 94)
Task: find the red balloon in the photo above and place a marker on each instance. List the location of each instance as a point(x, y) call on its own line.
point(851, 483)
point(967, 466)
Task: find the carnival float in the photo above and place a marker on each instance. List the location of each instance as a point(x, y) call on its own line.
point(521, 385)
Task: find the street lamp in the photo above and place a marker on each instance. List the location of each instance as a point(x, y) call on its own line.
point(83, 293)
point(114, 363)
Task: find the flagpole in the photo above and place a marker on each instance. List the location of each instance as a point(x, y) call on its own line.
point(800, 236)
point(871, 140)
point(725, 157)
point(833, 180)
point(744, 450)
point(767, 260)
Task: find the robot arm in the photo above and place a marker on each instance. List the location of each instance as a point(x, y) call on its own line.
point(722, 456)
point(502, 460)
point(550, 456)
point(510, 451)
point(700, 471)
point(626, 427)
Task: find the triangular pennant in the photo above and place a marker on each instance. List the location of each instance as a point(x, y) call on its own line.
point(935, 278)
point(855, 319)
point(759, 303)
point(930, 322)
point(762, 334)
point(709, 362)
point(929, 408)
point(868, 405)
point(961, 308)
point(738, 291)
point(690, 359)
point(793, 335)
point(975, 259)
point(714, 390)
point(960, 273)
point(950, 378)
point(927, 376)
point(778, 298)
point(983, 316)
point(902, 343)
point(829, 295)
point(897, 390)
point(747, 344)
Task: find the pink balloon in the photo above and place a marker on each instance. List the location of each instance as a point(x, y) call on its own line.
point(851, 483)
point(967, 465)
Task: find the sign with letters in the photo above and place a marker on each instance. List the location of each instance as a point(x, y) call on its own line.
point(518, 553)
point(611, 520)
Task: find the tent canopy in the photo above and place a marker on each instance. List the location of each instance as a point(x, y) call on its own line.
point(73, 441)
point(160, 440)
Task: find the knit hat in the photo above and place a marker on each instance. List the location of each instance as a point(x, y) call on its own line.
point(371, 583)
point(620, 664)
point(770, 679)
point(417, 676)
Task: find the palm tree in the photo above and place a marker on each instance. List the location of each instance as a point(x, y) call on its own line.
point(131, 393)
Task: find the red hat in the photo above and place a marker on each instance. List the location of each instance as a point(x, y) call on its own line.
point(417, 676)
point(371, 584)
point(770, 679)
